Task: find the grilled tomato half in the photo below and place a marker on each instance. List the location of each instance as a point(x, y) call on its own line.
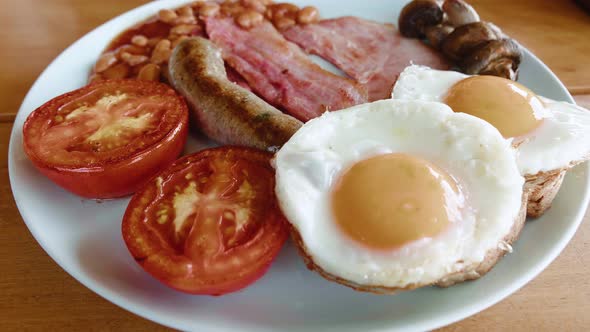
point(108, 138)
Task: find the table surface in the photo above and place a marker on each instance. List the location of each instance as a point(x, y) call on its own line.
point(36, 294)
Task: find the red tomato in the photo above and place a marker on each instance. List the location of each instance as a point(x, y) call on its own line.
point(210, 223)
point(108, 138)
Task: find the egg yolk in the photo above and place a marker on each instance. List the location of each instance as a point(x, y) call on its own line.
point(393, 199)
point(510, 107)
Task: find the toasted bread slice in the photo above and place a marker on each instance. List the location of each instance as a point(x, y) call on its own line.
point(469, 273)
point(541, 189)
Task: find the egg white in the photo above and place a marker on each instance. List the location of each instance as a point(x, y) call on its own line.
point(562, 140)
point(468, 148)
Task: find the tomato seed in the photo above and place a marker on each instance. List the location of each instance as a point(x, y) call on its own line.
point(163, 218)
point(229, 231)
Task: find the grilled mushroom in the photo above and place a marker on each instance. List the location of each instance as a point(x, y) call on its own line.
point(503, 67)
point(417, 15)
point(499, 33)
point(464, 39)
point(437, 34)
point(496, 57)
point(477, 47)
point(459, 12)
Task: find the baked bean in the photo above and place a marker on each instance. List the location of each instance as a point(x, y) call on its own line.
point(183, 29)
point(308, 15)
point(139, 40)
point(186, 11)
point(167, 15)
point(163, 43)
point(232, 8)
point(133, 49)
point(104, 62)
point(153, 41)
point(283, 9)
point(292, 15)
point(161, 52)
point(149, 72)
point(249, 19)
point(133, 60)
point(185, 20)
point(120, 70)
point(283, 23)
point(186, 16)
point(197, 4)
point(209, 9)
point(255, 5)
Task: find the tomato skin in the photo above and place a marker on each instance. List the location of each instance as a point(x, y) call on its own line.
point(124, 177)
point(179, 269)
point(112, 178)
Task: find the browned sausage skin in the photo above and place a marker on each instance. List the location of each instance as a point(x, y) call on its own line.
point(223, 110)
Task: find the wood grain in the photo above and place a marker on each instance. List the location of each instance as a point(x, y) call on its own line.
point(7, 118)
point(37, 295)
point(583, 100)
point(34, 32)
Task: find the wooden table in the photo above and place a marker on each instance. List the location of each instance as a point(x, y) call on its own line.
point(36, 294)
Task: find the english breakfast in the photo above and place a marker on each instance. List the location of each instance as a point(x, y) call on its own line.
point(415, 165)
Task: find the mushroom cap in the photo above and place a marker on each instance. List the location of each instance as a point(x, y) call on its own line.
point(466, 38)
point(417, 15)
point(503, 67)
point(496, 57)
point(459, 12)
point(436, 34)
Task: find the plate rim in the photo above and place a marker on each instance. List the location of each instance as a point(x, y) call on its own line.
point(139, 309)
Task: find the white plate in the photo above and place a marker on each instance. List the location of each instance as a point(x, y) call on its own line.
point(83, 236)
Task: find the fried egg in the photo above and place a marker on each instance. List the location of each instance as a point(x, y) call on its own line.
point(549, 135)
point(398, 194)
